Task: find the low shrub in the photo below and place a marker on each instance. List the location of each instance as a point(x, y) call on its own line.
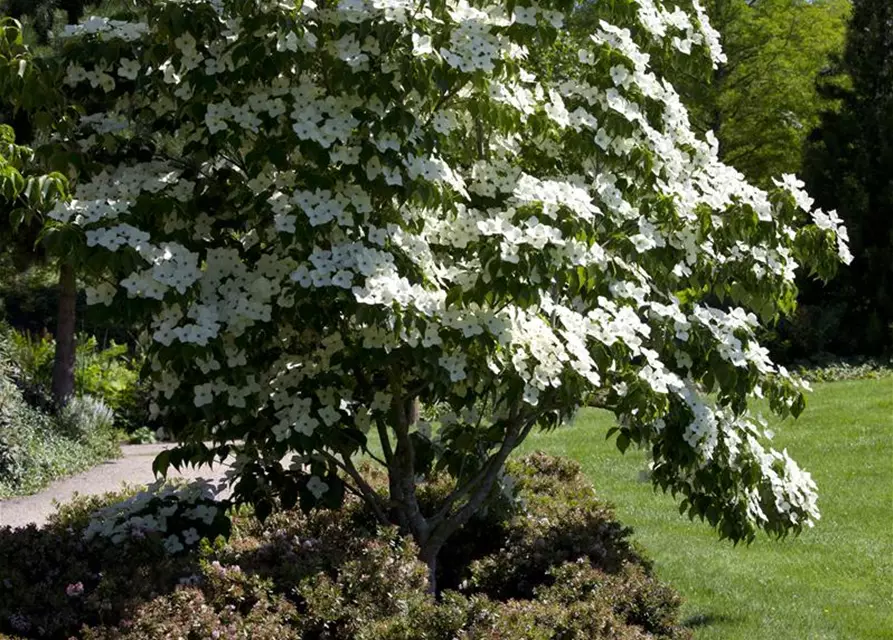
point(35, 449)
point(552, 564)
point(832, 369)
point(84, 417)
point(562, 521)
point(142, 435)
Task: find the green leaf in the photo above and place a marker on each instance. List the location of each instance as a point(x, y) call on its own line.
point(161, 463)
point(799, 405)
point(623, 442)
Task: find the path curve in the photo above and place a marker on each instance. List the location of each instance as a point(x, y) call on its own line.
point(133, 467)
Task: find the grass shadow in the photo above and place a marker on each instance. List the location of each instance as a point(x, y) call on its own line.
point(699, 620)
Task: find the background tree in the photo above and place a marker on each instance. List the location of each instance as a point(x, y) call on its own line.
point(25, 102)
point(848, 165)
point(327, 215)
point(762, 101)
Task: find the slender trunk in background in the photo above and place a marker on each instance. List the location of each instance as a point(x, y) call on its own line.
point(63, 366)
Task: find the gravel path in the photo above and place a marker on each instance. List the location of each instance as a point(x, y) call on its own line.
point(134, 467)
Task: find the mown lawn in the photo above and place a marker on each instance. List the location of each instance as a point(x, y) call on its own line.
point(835, 581)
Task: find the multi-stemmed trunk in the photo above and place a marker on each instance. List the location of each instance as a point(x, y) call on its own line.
point(429, 530)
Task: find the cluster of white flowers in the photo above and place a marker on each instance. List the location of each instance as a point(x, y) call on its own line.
point(794, 489)
point(324, 120)
point(121, 235)
point(473, 46)
point(830, 221)
point(435, 170)
point(702, 432)
point(723, 327)
point(98, 77)
point(294, 415)
point(552, 194)
point(717, 433)
point(320, 206)
point(106, 29)
point(152, 510)
point(110, 194)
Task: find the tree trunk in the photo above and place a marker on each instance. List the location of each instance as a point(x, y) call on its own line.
point(63, 366)
point(428, 555)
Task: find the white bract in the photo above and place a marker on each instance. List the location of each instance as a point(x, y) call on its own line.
point(425, 207)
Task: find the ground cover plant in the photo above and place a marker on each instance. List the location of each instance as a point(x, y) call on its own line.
point(547, 561)
point(831, 583)
point(833, 369)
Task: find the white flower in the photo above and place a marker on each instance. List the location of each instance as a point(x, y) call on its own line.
point(168, 511)
point(103, 293)
point(129, 69)
point(173, 545)
point(281, 431)
point(317, 487)
point(170, 74)
point(620, 76)
point(421, 45)
point(525, 15)
point(190, 536)
point(204, 394)
point(329, 415)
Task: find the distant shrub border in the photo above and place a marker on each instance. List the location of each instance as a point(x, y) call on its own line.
point(833, 369)
point(548, 562)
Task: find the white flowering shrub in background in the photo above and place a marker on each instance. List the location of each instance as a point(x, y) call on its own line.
point(328, 213)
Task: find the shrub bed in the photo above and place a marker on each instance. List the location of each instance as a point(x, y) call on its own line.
point(37, 447)
point(550, 563)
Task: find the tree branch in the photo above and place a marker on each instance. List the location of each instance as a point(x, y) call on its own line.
point(369, 453)
point(385, 443)
point(461, 491)
point(448, 526)
point(365, 491)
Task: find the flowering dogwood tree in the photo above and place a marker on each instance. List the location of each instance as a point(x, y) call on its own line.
point(330, 213)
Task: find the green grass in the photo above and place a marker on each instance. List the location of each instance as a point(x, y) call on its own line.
point(834, 581)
